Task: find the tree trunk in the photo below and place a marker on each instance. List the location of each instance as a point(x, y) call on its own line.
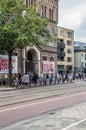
point(10, 69)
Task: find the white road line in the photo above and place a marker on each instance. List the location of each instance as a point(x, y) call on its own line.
point(58, 98)
point(74, 124)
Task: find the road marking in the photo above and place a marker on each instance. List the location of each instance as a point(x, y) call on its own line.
point(74, 124)
point(30, 104)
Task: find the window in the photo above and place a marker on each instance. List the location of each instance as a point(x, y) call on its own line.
point(61, 32)
point(69, 43)
point(69, 34)
point(51, 59)
point(51, 43)
point(43, 39)
point(85, 47)
point(43, 11)
point(82, 64)
point(82, 55)
point(26, 3)
point(50, 13)
point(52, 33)
point(85, 56)
point(44, 58)
point(69, 51)
point(69, 59)
point(30, 2)
point(69, 67)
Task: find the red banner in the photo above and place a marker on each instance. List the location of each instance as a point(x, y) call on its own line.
point(4, 64)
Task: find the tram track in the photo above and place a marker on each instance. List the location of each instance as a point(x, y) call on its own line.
point(36, 95)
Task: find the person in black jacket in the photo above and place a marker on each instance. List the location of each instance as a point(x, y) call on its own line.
point(35, 77)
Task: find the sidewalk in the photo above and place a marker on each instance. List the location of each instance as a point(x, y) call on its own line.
point(7, 88)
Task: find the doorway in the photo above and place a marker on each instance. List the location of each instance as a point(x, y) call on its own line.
point(32, 61)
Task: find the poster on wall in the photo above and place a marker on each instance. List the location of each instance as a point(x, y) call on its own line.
point(48, 67)
point(4, 64)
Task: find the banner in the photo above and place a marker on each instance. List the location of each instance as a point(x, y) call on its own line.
point(4, 64)
point(48, 67)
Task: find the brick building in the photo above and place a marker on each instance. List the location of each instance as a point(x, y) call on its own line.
point(41, 58)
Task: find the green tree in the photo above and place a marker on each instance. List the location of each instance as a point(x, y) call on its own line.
point(20, 26)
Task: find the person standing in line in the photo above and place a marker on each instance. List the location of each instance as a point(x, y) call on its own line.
point(58, 78)
point(77, 76)
point(26, 79)
point(35, 77)
point(47, 79)
point(15, 81)
point(30, 78)
point(19, 77)
point(44, 79)
point(22, 79)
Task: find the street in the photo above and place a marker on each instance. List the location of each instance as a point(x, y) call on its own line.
point(25, 105)
point(26, 95)
point(71, 118)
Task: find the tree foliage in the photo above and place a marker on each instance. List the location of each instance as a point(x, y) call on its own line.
point(20, 26)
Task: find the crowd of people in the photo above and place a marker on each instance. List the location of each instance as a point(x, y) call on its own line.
point(21, 80)
point(47, 79)
point(60, 78)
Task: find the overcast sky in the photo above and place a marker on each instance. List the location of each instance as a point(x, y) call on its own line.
point(72, 15)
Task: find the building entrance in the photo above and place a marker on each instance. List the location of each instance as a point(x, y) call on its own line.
point(32, 61)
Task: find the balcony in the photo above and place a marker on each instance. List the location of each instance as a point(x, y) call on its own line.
point(60, 62)
point(61, 45)
point(60, 53)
